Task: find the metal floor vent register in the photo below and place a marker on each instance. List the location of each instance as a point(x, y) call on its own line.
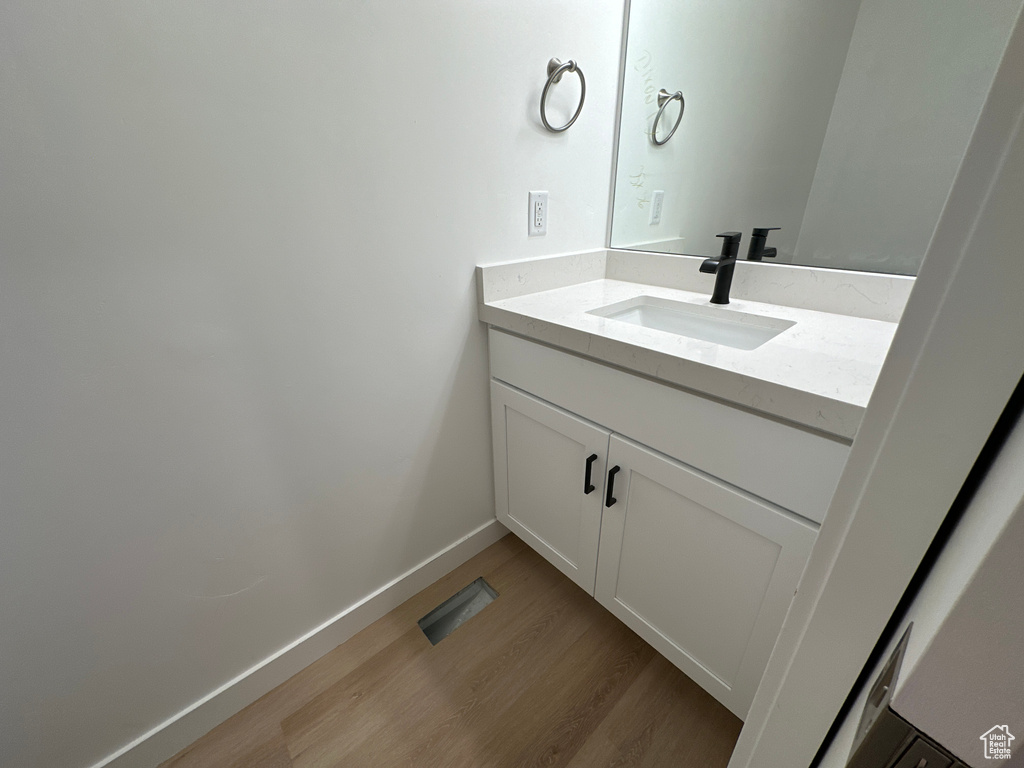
point(457, 610)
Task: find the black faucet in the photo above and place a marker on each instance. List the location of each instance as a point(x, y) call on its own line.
point(722, 267)
point(757, 250)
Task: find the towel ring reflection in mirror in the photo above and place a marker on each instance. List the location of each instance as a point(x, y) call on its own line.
point(555, 71)
point(664, 99)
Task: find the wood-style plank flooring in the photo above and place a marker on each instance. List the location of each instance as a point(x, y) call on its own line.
point(544, 676)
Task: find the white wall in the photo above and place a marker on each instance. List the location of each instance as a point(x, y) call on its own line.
point(967, 625)
point(977, 651)
point(915, 79)
point(243, 383)
point(759, 80)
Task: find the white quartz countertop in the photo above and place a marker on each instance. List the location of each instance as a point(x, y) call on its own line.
point(818, 373)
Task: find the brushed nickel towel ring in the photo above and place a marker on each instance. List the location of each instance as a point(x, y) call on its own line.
point(555, 71)
point(664, 97)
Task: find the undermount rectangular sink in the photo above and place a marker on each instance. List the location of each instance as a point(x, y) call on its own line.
point(740, 330)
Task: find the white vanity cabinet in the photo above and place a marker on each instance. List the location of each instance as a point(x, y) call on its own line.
point(695, 544)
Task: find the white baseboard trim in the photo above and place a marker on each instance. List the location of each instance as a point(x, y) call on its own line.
point(176, 733)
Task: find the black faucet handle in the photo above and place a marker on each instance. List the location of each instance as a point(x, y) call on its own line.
point(757, 251)
point(730, 243)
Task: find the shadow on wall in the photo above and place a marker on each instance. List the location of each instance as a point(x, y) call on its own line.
point(439, 476)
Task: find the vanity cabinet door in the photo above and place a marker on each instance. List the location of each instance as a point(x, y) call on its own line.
point(540, 466)
point(701, 570)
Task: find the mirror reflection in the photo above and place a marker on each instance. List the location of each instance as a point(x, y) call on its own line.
point(840, 122)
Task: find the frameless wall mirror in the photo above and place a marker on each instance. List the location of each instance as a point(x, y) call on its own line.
point(842, 122)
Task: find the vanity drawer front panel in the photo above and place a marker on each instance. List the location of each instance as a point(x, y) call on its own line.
point(782, 463)
point(702, 571)
point(542, 460)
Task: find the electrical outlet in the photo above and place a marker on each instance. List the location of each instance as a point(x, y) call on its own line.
point(538, 213)
point(657, 202)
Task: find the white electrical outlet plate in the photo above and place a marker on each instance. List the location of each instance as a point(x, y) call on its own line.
point(658, 201)
point(538, 213)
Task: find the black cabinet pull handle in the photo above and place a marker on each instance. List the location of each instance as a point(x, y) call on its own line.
point(609, 499)
point(587, 485)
